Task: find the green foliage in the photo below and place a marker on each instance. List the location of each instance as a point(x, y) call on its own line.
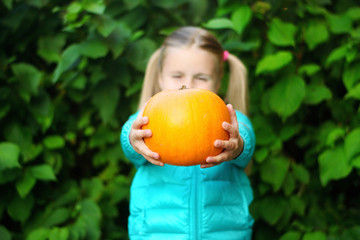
point(71, 74)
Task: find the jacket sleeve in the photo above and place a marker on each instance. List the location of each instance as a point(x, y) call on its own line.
point(136, 158)
point(247, 134)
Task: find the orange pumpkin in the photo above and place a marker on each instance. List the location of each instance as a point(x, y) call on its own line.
point(185, 124)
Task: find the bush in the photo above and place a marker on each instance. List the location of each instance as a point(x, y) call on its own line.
point(71, 74)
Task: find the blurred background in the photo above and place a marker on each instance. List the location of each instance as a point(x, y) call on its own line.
point(70, 76)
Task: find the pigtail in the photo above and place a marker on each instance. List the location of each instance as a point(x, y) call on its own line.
point(237, 92)
point(151, 83)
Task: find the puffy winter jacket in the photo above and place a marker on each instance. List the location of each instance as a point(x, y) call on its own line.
point(191, 203)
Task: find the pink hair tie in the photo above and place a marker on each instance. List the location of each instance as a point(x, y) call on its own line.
point(226, 55)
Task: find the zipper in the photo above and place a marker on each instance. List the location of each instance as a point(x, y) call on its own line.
point(196, 203)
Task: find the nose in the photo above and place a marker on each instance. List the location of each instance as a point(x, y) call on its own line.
point(189, 83)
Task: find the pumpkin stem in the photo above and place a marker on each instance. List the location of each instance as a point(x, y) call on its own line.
point(183, 87)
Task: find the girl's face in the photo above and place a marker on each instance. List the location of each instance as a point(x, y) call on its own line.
point(192, 67)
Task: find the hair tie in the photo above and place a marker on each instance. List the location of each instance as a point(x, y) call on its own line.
point(226, 55)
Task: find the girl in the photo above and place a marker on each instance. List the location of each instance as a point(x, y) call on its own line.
point(207, 202)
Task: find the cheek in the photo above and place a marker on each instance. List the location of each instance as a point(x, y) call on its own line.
point(208, 85)
point(167, 83)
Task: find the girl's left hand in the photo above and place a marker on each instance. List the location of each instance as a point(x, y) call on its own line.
point(232, 147)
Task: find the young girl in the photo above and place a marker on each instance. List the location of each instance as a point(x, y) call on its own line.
point(207, 202)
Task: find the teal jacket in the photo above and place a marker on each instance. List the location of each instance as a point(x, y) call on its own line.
point(191, 203)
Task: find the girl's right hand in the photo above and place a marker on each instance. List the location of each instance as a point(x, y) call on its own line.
point(137, 136)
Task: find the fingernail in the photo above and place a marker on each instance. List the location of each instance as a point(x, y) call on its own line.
point(156, 155)
point(209, 159)
point(225, 124)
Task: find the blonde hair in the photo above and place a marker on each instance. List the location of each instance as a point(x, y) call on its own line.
point(237, 91)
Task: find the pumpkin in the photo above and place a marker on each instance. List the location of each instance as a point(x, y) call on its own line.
point(185, 124)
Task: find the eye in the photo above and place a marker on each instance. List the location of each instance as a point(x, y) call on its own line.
point(176, 75)
point(203, 78)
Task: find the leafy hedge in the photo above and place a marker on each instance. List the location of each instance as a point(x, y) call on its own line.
point(71, 73)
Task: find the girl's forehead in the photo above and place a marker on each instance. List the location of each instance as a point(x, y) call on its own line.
point(189, 58)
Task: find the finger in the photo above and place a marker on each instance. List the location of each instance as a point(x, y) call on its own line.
point(216, 159)
point(207, 165)
point(140, 134)
point(147, 153)
point(155, 162)
point(139, 122)
point(152, 157)
point(228, 145)
point(231, 129)
point(233, 117)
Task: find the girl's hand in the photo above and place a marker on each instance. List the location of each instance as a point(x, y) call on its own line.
point(232, 147)
point(137, 136)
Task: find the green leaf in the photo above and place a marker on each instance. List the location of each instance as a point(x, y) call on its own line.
point(315, 34)
point(237, 45)
point(289, 184)
point(291, 235)
point(333, 135)
point(219, 23)
point(261, 154)
point(316, 93)
point(43, 110)
point(70, 55)
point(289, 131)
point(315, 236)
point(57, 217)
point(352, 233)
point(139, 53)
point(20, 208)
point(8, 4)
point(354, 92)
point(118, 39)
point(38, 3)
point(4, 233)
point(25, 184)
point(264, 132)
point(333, 165)
point(54, 142)
point(105, 98)
point(94, 6)
point(351, 75)
point(351, 144)
point(168, 4)
point(339, 23)
point(9, 155)
point(291, 88)
point(49, 48)
point(336, 54)
point(298, 205)
point(4, 109)
point(301, 173)
point(105, 25)
point(272, 208)
point(241, 18)
point(39, 234)
point(59, 234)
point(309, 69)
point(274, 62)
point(274, 170)
point(93, 48)
point(353, 13)
point(43, 172)
point(28, 77)
point(281, 33)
